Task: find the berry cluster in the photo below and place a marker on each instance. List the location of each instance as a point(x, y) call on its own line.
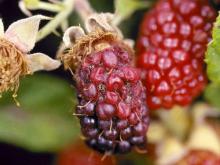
point(171, 46)
point(112, 110)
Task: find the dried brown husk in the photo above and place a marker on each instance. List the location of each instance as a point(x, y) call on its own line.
point(90, 43)
point(13, 65)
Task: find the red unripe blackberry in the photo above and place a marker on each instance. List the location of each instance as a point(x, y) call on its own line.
point(171, 47)
point(79, 153)
point(200, 157)
point(112, 108)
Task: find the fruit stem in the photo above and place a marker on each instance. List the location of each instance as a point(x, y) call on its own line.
point(50, 7)
point(58, 20)
point(83, 8)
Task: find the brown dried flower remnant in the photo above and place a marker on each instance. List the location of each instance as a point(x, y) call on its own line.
point(13, 64)
point(15, 60)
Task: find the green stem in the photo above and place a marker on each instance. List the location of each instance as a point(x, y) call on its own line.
point(50, 7)
point(135, 5)
point(58, 19)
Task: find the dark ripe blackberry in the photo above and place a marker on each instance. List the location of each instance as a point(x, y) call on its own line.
point(91, 143)
point(112, 105)
point(90, 132)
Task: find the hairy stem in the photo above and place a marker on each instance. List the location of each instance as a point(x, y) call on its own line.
point(58, 19)
point(83, 8)
point(50, 7)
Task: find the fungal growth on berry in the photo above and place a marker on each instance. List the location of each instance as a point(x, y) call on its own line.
point(15, 60)
point(171, 47)
point(112, 109)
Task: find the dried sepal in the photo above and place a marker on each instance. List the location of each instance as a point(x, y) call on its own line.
point(1, 28)
point(23, 33)
point(72, 34)
point(13, 64)
point(84, 46)
point(102, 22)
point(129, 42)
point(92, 42)
point(40, 61)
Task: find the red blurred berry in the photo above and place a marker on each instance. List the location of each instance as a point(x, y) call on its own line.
point(171, 47)
point(200, 157)
point(79, 154)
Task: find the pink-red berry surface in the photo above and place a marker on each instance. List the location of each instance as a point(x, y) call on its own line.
point(170, 51)
point(200, 157)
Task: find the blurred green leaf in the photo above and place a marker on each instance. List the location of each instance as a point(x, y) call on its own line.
point(125, 8)
point(44, 122)
point(212, 94)
point(43, 93)
point(213, 54)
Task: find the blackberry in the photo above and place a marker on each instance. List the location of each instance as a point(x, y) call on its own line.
point(112, 109)
point(171, 47)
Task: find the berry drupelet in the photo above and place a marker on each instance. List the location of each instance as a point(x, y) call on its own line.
point(112, 109)
point(171, 47)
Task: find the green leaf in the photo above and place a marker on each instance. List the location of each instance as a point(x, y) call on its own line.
point(44, 122)
point(125, 8)
point(212, 94)
point(213, 54)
